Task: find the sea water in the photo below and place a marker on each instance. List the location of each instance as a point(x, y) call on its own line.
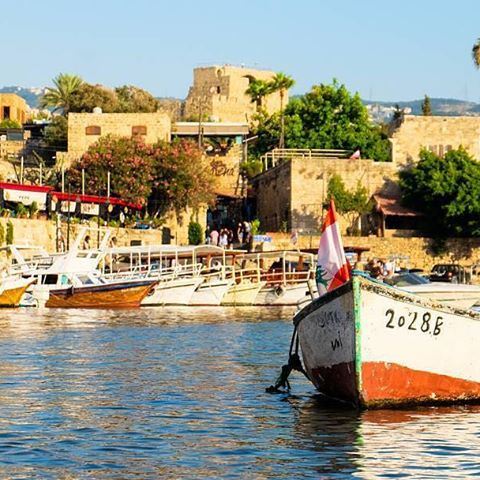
point(180, 393)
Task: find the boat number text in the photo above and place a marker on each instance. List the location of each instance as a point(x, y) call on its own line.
point(413, 321)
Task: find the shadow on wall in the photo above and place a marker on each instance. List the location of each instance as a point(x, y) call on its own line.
point(308, 219)
point(457, 250)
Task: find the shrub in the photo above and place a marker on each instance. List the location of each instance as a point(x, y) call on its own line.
point(195, 233)
point(9, 236)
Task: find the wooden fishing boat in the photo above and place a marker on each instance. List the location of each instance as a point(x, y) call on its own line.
point(12, 290)
point(125, 294)
point(373, 345)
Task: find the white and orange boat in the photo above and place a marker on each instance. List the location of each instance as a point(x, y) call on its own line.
point(372, 345)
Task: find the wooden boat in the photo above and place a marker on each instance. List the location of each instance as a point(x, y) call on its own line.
point(12, 290)
point(373, 345)
point(124, 294)
point(242, 293)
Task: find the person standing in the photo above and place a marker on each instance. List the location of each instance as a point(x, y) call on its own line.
point(214, 236)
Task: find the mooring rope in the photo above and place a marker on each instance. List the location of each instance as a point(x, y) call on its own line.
point(282, 385)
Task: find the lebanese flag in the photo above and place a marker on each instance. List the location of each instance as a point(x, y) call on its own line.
point(333, 269)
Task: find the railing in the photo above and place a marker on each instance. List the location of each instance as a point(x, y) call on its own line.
point(277, 155)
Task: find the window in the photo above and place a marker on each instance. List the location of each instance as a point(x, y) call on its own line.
point(139, 130)
point(6, 113)
point(93, 130)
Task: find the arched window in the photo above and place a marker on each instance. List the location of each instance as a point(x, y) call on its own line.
point(139, 130)
point(93, 130)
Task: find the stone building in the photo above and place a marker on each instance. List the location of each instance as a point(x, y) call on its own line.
point(84, 129)
point(291, 194)
point(438, 134)
point(13, 107)
point(218, 93)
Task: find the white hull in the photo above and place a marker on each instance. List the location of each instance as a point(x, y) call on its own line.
point(210, 292)
point(243, 293)
point(178, 291)
point(373, 345)
point(283, 295)
point(455, 295)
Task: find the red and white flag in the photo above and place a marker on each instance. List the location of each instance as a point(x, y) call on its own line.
point(333, 269)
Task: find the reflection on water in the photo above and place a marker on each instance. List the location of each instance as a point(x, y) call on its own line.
point(180, 393)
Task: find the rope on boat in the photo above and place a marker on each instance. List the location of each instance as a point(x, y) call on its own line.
point(282, 385)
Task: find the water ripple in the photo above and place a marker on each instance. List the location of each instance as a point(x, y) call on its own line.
point(180, 393)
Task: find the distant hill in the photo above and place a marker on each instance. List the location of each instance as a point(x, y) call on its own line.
point(30, 95)
point(380, 111)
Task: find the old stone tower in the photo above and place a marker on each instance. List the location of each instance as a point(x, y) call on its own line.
point(218, 93)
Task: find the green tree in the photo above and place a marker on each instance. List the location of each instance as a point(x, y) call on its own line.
point(134, 99)
point(351, 204)
point(447, 190)
point(56, 133)
point(281, 83)
point(60, 97)
point(195, 233)
point(88, 96)
point(476, 53)
point(426, 106)
point(329, 117)
point(258, 90)
point(8, 123)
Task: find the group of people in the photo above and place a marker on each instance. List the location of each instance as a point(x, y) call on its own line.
point(380, 269)
point(226, 237)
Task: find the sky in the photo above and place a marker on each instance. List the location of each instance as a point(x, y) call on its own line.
point(390, 51)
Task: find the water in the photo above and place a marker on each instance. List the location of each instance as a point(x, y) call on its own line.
point(169, 393)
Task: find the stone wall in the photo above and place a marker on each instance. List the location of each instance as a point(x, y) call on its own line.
point(85, 129)
point(219, 92)
point(291, 195)
point(416, 252)
point(225, 170)
point(438, 134)
point(16, 105)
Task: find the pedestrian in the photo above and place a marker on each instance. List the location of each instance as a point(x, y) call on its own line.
point(240, 232)
point(247, 227)
point(223, 239)
point(230, 237)
point(214, 236)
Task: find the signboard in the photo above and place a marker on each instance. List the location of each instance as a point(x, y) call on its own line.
point(25, 197)
point(262, 238)
point(64, 207)
point(90, 209)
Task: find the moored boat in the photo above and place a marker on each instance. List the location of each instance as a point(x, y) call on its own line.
point(12, 290)
point(123, 294)
point(372, 345)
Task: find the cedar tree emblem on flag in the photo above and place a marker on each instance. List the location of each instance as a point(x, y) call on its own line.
point(332, 267)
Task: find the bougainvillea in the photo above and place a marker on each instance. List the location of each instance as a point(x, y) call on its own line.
point(129, 162)
point(181, 177)
point(165, 176)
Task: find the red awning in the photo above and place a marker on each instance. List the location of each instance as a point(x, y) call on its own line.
point(24, 188)
point(77, 197)
point(391, 206)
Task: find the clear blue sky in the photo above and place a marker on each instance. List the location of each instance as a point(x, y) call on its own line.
point(386, 50)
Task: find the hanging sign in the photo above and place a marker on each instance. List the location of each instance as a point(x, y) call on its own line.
point(90, 209)
point(25, 197)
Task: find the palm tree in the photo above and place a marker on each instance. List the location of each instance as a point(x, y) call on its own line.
point(60, 97)
point(476, 53)
point(281, 83)
point(258, 89)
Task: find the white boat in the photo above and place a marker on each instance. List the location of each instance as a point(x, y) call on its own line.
point(173, 291)
point(456, 295)
point(287, 276)
point(211, 291)
point(243, 293)
point(373, 345)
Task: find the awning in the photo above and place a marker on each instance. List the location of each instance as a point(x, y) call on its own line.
point(391, 206)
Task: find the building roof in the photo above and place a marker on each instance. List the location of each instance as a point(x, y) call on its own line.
point(210, 128)
point(391, 206)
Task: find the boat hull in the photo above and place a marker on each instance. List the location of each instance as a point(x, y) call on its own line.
point(289, 295)
point(210, 293)
point(173, 292)
point(243, 293)
point(375, 346)
point(13, 291)
point(113, 295)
